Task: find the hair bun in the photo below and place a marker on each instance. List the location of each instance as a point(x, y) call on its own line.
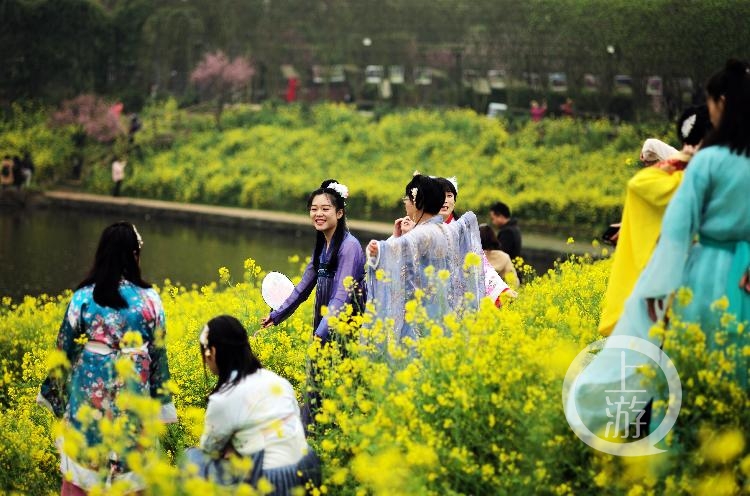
point(327, 182)
point(693, 125)
point(335, 186)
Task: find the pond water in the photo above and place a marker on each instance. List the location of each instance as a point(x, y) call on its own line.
point(48, 251)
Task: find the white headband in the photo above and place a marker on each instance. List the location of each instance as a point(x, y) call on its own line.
point(653, 149)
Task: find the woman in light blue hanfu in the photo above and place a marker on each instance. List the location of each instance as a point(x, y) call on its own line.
point(704, 246)
point(397, 267)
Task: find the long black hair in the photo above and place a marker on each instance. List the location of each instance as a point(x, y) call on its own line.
point(449, 187)
point(338, 235)
point(117, 257)
point(733, 83)
point(426, 193)
point(232, 351)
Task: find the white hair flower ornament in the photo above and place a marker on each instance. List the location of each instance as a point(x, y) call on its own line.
point(341, 189)
point(204, 337)
point(687, 125)
point(453, 181)
point(138, 237)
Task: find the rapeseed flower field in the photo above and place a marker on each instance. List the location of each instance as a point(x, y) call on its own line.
point(474, 407)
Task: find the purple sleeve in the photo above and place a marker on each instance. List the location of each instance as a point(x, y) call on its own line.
point(301, 293)
point(351, 264)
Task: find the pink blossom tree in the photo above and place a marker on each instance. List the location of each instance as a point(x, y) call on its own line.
point(92, 117)
point(217, 76)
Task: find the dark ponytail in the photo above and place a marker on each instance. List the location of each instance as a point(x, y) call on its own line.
point(733, 83)
point(338, 201)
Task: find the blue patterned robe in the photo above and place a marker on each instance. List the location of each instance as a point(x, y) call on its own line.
point(91, 336)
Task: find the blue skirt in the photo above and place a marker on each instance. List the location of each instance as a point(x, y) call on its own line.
point(284, 479)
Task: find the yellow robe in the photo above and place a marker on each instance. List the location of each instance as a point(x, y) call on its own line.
point(648, 194)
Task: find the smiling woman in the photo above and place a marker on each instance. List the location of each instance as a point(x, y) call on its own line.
point(337, 257)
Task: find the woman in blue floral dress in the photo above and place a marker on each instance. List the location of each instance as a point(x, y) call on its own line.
point(112, 336)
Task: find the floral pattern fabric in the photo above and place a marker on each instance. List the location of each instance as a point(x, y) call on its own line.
point(401, 269)
point(94, 338)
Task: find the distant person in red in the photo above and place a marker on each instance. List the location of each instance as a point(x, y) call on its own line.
point(566, 109)
point(537, 111)
point(291, 90)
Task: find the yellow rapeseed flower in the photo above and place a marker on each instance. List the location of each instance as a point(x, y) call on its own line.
point(684, 296)
point(471, 260)
point(723, 447)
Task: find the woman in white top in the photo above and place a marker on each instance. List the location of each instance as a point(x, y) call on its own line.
point(252, 412)
point(498, 259)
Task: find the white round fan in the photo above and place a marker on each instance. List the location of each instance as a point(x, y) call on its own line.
point(276, 288)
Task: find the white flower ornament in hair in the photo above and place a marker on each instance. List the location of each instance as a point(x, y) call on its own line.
point(453, 181)
point(138, 237)
point(341, 189)
point(414, 192)
point(203, 338)
point(687, 125)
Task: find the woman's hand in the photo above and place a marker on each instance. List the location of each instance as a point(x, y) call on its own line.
point(407, 225)
point(372, 248)
point(397, 232)
point(652, 305)
point(690, 149)
point(402, 226)
point(745, 281)
point(265, 322)
point(666, 166)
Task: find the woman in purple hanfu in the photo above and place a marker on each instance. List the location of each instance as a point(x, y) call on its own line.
point(337, 256)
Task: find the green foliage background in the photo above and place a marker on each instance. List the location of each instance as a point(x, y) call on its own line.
point(560, 173)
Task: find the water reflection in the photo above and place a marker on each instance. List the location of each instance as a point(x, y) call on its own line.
point(47, 251)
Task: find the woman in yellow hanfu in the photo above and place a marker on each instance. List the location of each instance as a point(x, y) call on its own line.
point(648, 194)
point(704, 247)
